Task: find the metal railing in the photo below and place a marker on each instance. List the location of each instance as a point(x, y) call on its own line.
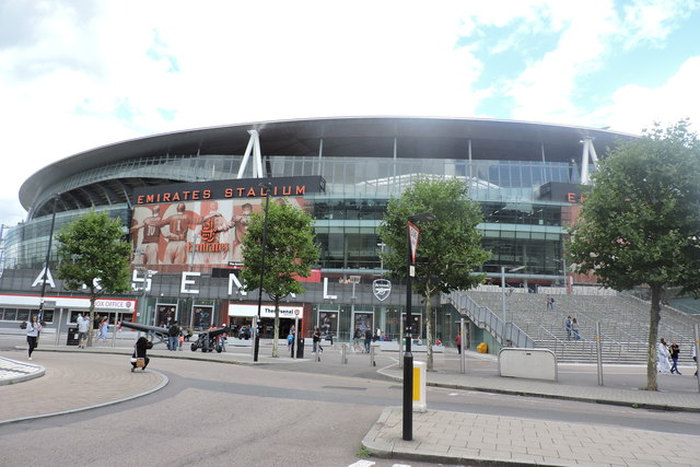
point(508, 334)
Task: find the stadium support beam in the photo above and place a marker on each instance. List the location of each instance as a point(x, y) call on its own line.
point(254, 149)
point(588, 154)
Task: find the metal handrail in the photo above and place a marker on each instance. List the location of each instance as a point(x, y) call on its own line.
point(483, 317)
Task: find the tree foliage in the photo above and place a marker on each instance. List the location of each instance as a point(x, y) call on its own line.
point(289, 253)
point(449, 248)
point(640, 223)
point(94, 254)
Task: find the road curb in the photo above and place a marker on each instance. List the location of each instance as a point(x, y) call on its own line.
point(37, 371)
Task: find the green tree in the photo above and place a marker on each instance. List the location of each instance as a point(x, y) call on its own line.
point(289, 253)
point(449, 248)
point(640, 222)
point(93, 253)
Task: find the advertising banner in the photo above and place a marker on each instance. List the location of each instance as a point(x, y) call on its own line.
point(173, 237)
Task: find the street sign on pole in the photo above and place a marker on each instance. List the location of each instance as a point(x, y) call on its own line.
point(413, 233)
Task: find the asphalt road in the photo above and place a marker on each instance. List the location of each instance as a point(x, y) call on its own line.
point(287, 414)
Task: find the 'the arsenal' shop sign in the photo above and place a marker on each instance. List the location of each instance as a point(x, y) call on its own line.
point(228, 189)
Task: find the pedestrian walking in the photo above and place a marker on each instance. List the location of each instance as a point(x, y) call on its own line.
point(368, 339)
point(458, 343)
point(357, 335)
point(663, 357)
point(83, 328)
point(222, 338)
point(316, 338)
point(674, 350)
point(694, 353)
point(290, 340)
point(574, 329)
point(104, 329)
point(173, 333)
point(567, 325)
point(33, 329)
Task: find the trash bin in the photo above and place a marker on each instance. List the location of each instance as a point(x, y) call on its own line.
point(300, 347)
point(73, 335)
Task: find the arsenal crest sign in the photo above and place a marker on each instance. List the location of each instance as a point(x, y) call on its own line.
point(381, 289)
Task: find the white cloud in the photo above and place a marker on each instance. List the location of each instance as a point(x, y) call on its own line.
point(653, 20)
point(635, 107)
point(74, 76)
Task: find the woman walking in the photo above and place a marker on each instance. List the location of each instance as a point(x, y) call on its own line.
point(33, 334)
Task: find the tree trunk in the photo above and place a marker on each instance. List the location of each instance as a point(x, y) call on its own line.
point(276, 331)
point(92, 320)
point(655, 317)
point(429, 332)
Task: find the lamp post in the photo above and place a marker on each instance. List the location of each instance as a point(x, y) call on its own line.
point(411, 247)
point(256, 347)
point(46, 263)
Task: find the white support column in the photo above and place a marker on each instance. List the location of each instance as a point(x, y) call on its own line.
point(588, 153)
point(257, 155)
point(254, 149)
point(584, 161)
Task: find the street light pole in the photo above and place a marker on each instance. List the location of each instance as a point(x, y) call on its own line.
point(267, 186)
point(46, 263)
point(408, 356)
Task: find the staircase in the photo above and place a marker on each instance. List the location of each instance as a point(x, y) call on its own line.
point(624, 323)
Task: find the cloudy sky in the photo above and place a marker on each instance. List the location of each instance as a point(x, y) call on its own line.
point(75, 75)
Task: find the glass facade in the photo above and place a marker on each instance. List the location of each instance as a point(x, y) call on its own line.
point(517, 228)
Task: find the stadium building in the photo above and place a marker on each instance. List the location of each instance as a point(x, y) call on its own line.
point(183, 198)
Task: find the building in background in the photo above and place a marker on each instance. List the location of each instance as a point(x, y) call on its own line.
point(169, 190)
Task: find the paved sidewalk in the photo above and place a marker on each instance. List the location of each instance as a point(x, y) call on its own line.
point(463, 438)
point(439, 436)
point(62, 388)
point(579, 383)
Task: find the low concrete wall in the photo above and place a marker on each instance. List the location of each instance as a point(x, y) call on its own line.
point(527, 363)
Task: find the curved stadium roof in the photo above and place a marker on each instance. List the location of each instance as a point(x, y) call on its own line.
point(410, 137)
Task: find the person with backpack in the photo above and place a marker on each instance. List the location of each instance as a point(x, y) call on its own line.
point(173, 334)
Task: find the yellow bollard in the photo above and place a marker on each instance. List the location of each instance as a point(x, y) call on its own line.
point(419, 384)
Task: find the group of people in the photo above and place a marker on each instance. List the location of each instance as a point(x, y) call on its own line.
point(667, 356)
point(550, 302)
point(362, 339)
point(572, 329)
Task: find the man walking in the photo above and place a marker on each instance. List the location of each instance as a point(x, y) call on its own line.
point(83, 327)
point(173, 333)
point(675, 350)
point(568, 328)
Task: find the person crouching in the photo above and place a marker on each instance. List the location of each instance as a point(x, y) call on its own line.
point(142, 345)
